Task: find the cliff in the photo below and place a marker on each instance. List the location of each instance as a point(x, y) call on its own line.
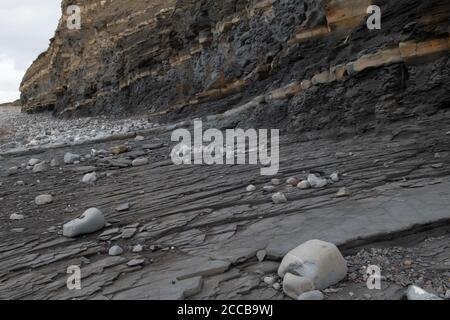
point(300, 64)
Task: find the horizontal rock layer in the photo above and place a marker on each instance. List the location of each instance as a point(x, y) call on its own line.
point(184, 59)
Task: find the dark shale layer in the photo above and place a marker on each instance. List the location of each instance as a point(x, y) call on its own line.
point(302, 65)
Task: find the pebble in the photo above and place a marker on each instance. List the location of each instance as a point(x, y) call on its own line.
point(279, 198)
point(89, 178)
point(269, 281)
point(70, 158)
point(277, 286)
point(304, 185)
point(317, 182)
point(268, 189)
point(335, 177)
point(115, 251)
point(251, 188)
point(139, 138)
point(119, 149)
point(12, 170)
point(312, 296)
point(261, 255)
point(276, 182)
point(33, 162)
point(16, 216)
point(447, 295)
point(135, 262)
point(138, 248)
point(43, 199)
point(343, 192)
point(292, 181)
point(140, 162)
point(40, 167)
point(123, 207)
point(54, 163)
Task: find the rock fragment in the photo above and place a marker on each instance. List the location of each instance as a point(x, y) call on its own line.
point(16, 217)
point(33, 162)
point(138, 248)
point(92, 220)
point(40, 167)
point(123, 207)
point(119, 149)
point(43, 199)
point(343, 193)
point(135, 262)
point(317, 182)
point(251, 188)
point(140, 162)
point(312, 296)
point(304, 185)
point(292, 181)
point(335, 177)
point(89, 178)
point(70, 158)
point(115, 251)
point(418, 294)
point(279, 198)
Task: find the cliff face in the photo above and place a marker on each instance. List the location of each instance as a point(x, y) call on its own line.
point(303, 64)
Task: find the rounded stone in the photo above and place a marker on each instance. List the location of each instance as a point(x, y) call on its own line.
point(43, 199)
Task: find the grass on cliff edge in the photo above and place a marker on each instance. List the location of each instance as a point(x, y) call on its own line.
point(11, 104)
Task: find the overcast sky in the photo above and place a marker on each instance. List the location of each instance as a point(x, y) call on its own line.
point(25, 29)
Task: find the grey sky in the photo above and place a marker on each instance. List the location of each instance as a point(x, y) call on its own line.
point(25, 29)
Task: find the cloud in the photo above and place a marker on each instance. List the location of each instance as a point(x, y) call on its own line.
point(27, 26)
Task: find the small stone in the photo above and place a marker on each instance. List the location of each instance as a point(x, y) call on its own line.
point(33, 162)
point(261, 255)
point(317, 182)
point(19, 183)
point(89, 178)
point(269, 281)
point(140, 162)
point(40, 167)
point(279, 198)
point(343, 192)
point(312, 296)
point(119, 149)
point(54, 163)
point(123, 207)
point(115, 251)
point(92, 220)
point(408, 263)
point(304, 185)
point(335, 177)
point(268, 189)
point(251, 188)
point(292, 181)
point(447, 295)
point(16, 216)
point(43, 199)
point(135, 262)
point(138, 248)
point(128, 233)
point(139, 138)
point(70, 158)
point(12, 170)
point(277, 286)
point(276, 182)
point(18, 230)
point(437, 165)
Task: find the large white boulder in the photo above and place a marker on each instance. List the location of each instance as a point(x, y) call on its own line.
point(319, 261)
point(92, 220)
